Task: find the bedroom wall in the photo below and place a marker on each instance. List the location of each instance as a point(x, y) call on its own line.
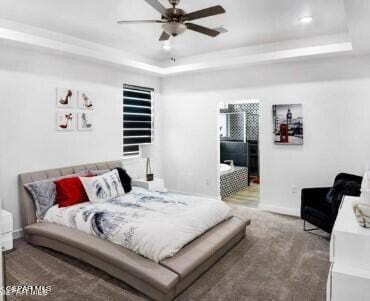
point(335, 94)
point(29, 140)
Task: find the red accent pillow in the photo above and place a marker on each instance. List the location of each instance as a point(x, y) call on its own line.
point(70, 192)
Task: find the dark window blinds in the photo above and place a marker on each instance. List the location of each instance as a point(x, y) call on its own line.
point(137, 119)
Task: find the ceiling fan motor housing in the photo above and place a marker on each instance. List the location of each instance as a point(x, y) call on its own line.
point(175, 14)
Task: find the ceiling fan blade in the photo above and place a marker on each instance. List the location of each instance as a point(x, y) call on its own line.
point(201, 29)
point(207, 12)
point(157, 6)
point(164, 36)
point(140, 21)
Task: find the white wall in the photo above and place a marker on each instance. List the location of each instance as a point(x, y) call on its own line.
point(1, 257)
point(335, 94)
point(29, 140)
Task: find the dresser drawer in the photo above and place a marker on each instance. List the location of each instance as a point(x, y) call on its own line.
point(6, 222)
point(7, 241)
point(349, 284)
point(350, 243)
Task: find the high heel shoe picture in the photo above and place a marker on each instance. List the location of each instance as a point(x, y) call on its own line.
point(84, 122)
point(66, 98)
point(84, 101)
point(65, 121)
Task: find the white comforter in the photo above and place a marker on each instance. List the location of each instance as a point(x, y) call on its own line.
point(155, 225)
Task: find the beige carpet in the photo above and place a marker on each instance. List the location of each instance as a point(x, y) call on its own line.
point(277, 261)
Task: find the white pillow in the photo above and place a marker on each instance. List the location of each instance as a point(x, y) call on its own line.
point(103, 188)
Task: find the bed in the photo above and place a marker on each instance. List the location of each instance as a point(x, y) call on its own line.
point(160, 281)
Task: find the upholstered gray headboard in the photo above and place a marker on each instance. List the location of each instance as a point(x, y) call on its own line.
point(25, 199)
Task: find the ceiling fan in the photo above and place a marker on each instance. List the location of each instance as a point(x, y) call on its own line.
point(176, 21)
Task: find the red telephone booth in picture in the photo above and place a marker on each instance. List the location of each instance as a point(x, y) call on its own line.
point(284, 133)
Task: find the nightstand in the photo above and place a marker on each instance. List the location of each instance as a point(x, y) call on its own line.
point(156, 185)
point(6, 230)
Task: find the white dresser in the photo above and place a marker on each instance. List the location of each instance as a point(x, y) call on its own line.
point(6, 227)
point(349, 275)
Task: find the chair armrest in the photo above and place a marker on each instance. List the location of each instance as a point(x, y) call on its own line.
point(311, 196)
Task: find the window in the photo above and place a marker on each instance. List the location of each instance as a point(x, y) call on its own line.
point(137, 119)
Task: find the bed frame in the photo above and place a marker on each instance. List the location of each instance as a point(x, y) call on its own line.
point(160, 281)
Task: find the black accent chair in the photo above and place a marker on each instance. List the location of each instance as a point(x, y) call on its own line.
point(319, 206)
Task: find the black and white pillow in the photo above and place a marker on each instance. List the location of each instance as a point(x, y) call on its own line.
point(103, 188)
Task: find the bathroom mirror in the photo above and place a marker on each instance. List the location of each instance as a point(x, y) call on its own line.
point(232, 126)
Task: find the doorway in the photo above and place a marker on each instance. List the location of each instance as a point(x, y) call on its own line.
point(239, 168)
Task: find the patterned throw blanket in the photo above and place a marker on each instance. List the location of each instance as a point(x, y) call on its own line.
point(152, 224)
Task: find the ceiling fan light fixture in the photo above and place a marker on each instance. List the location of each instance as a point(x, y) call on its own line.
point(174, 28)
point(167, 46)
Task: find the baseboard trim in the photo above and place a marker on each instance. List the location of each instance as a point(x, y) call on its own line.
point(17, 233)
point(280, 210)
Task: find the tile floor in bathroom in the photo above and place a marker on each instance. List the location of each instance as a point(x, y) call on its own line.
point(249, 197)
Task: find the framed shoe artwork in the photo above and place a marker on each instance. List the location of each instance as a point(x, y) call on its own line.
point(85, 121)
point(66, 98)
point(76, 115)
point(66, 121)
point(84, 101)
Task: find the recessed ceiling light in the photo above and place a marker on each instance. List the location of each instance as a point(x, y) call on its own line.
point(306, 20)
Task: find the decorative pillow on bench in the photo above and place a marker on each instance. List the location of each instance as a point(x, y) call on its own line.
point(104, 187)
